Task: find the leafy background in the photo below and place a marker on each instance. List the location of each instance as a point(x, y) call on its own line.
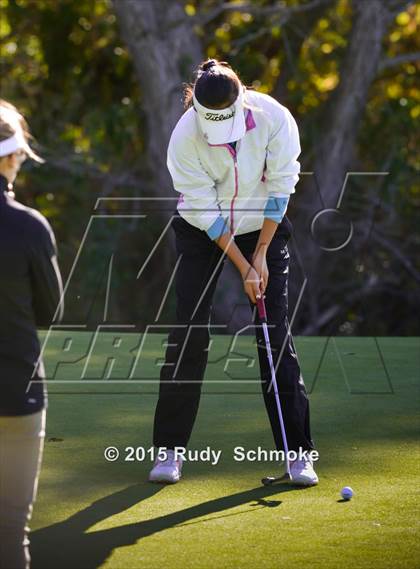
point(73, 69)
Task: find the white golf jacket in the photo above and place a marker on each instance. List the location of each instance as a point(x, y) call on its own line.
point(235, 189)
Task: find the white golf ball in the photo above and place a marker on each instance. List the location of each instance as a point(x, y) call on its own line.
point(347, 493)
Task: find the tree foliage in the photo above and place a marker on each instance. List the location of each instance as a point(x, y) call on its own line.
point(69, 66)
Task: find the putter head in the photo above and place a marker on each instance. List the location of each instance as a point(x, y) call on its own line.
point(269, 480)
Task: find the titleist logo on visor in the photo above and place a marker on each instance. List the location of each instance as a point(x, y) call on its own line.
point(217, 117)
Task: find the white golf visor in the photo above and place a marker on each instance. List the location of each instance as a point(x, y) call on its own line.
point(220, 126)
point(17, 142)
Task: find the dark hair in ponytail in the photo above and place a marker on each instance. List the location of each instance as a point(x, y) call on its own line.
point(206, 65)
point(216, 85)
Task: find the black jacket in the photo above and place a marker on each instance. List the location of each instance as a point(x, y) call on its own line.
point(30, 291)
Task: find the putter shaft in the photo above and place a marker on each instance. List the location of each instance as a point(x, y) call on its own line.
point(262, 313)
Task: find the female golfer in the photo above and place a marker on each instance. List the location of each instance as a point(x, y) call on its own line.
point(233, 159)
point(30, 290)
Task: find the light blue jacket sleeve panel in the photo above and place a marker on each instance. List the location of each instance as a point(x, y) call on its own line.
point(218, 228)
point(275, 208)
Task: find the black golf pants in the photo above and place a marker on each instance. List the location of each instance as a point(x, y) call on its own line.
point(186, 357)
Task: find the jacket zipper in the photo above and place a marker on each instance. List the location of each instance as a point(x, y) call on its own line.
point(250, 124)
point(235, 163)
point(234, 155)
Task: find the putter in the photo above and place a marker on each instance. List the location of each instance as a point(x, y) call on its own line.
point(286, 477)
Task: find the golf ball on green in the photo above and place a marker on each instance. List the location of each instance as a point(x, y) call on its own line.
point(347, 493)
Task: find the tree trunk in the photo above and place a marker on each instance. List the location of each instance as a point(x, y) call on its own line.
point(335, 151)
point(345, 110)
point(165, 50)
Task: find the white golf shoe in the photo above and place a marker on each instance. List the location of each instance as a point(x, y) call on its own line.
point(166, 469)
point(303, 473)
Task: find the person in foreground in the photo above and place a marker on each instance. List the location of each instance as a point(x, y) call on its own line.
point(30, 293)
point(233, 159)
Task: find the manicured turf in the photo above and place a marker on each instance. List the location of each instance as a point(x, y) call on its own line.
point(92, 513)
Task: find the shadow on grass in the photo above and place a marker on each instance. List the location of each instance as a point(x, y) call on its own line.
point(67, 545)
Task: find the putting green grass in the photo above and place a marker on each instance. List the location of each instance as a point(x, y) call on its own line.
point(364, 403)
